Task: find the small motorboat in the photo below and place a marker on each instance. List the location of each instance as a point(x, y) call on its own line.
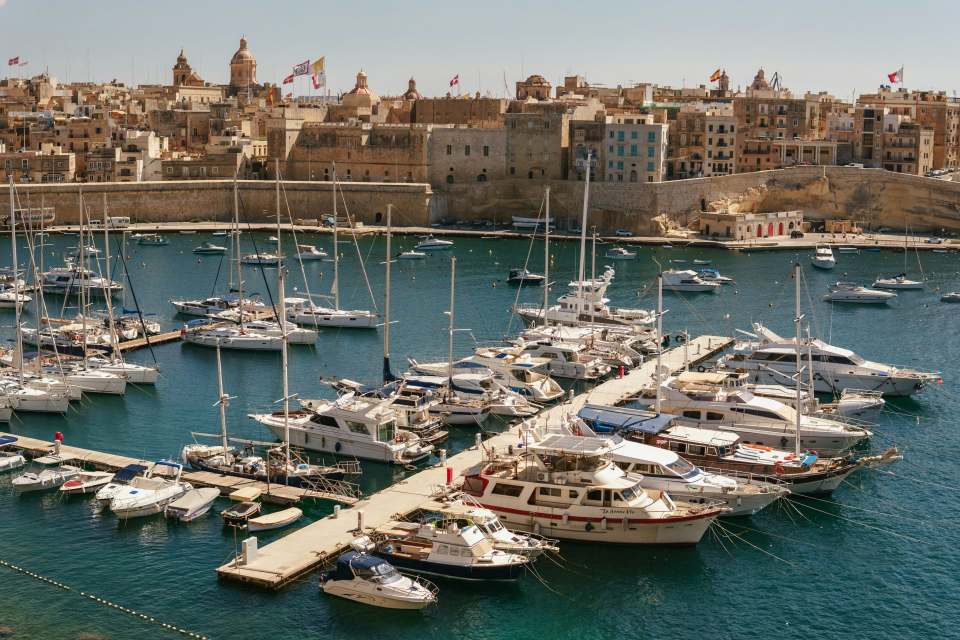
point(209, 248)
point(9, 460)
point(261, 259)
point(273, 239)
point(687, 280)
point(411, 255)
point(219, 234)
point(121, 479)
point(310, 252)
point(187, 232)
point(853, 292)
point(51, 478)
point(371, 580)
point(848, 250)
point(522, 276)
point(823, 258)
point(899, 281)
point(86, 482)
point(619, 253)
point(699, 261)
point(150, 493)
point(713, 275)
point(238, 514)
point(11, 299)
point(430, 243)
point(152, 240)
point(952, 296)
point(275, 520)
point(192, 504)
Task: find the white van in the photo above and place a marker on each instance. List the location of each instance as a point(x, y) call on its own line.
point(118, 222)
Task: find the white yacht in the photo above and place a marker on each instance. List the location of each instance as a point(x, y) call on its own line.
point(261, 260)
point(352, 426)
point(899, 281)
point(29, 399)
point(70, 279)
point(150, 493)
point(120, 481)
point(771, 359)
point(272, 328)
point(134, 373)
point(619, 253)
point(585, 301)
point(722, 401)
point(305, 312)
point(687, 280)
point(460, 510)
point(823, 258)
point(307, 252)
point(479, 387)
point(89, 380)
point(52, 476)
point(231, 337)
point(430, 243)
point(11, 298)
point(370, 580)
point(566, 487)
point(213, 306)
point(616, 346)
point(858, 294)
point(567, 359)
point(520, 374)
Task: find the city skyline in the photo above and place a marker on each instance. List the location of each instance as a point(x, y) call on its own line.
point(503, 44)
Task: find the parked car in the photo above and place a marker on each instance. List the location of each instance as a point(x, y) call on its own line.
point(796, 234)
point(935, 240)
point(623, 233)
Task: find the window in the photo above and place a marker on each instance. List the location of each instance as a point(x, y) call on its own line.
point(619, 149)
point(550, 491)
point(620, 166)
point(633, 135)
point(595, 494)
point(357, 427)
point(620, 136)
point(652, 136)
point(651, 152)
point(486, 150)
point(573, 494)
point(611, 135)
point(449, 149)
point(504, 489)
point(713, 415)
point(692, 414)
point(611, 149)
point(633, 149)
point(710, 128)
point(650, 167)
point(513, 171)
point(466, 150)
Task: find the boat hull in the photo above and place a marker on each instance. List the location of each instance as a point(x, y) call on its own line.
point(472, 572)
point(374, 595)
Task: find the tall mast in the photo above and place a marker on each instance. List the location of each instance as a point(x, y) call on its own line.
point(336, 248)
point(659, 336)
point(16, 290)
point(593, 276)
point(797, 320)
point(222, 400)
point(107, 286)
point(583, 230)
point(81, 273)
point(546, 263)
point(387, 374)
point(236, 246)
point(281, 293)
point(453, 280)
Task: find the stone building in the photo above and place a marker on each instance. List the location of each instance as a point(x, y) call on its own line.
point(929, 109)
point(749, 226)
point(187, 129)
point(206, 167)
point(686, 146)
point(721, 142)
point(243, 70)
point(467, 110)
point(535, 87)
point(466, 154)
point(360, 103)
point(49, 164)
point(101, 164)
point(537, 145)
point(587, 138)
point(636, 148)
point(184, 75)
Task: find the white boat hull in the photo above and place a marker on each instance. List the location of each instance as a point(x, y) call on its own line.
point(364, 593)
point(331, 318)
point(106, 384)
point(834, 382)
point(239, 342)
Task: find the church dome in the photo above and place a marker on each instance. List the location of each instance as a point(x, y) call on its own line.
point(243, 53)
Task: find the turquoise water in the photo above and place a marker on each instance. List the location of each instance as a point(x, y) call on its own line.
point(878, 560)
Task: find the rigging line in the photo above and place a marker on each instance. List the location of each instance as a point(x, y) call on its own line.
point(136, 305)
point(776, 535)
point(716, 537)
point(862, 524)
point(744, 540)
point(526, 263)
point(356, 245)
point(813, 308)
point(216, 278)
point(263, 274)
point(917, 480)
point(296, 242)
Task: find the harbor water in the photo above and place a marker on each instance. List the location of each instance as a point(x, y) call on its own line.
point(876, 559)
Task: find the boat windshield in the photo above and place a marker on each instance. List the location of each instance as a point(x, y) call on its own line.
point(682, 468)
point(632, 493)
point(386, 430)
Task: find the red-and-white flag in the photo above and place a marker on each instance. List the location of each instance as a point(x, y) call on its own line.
point(288, 79)
point(289, 95)
point(301, 69)
point(13, 61)
point(896, 76)
point(455, 80)
point(715, 75)
point(319, 80)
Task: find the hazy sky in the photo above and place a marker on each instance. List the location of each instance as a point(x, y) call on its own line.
point(837, 45)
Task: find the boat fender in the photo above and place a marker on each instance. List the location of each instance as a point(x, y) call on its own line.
point(778, 468)
point(337, 447)
point(701, 368)
point(589, 526)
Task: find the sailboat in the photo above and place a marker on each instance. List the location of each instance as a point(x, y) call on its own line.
point(304, 311)
point(900, 281)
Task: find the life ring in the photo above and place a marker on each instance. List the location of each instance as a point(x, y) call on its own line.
point(778, 468)
point(701, 368)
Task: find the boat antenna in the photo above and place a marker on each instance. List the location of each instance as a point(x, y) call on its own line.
point(798, 319)
point(387, 374)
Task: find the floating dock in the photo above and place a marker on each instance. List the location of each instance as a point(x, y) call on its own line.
point(297, 553)
point(274, 493)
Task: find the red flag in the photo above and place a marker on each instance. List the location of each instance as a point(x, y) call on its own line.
point(13, 61)
point(289, 95)
point(288, 79)
point(896, 76)
point(455, 80)
point(315, 78)
point(715, 75)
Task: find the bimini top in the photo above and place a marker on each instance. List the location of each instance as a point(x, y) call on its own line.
point(571, 445)
point(5, 440)
point(129, 472)
point(365, 566)
point(606, 419)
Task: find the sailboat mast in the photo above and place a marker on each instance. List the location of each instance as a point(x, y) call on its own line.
point(453, 280)
point(281, 293)
point(656, 405)
point(593, 276)
point(797, 320)
point(387, 374)
point(107, 286)
point(16, 290)
point(81, 273)
point(336, 248)
point(222, 401)
point(810, 364)
point(236, 245)
point(546, 262)
point(583, 230)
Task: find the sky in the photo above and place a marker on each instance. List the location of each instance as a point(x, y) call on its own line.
point(840, 46)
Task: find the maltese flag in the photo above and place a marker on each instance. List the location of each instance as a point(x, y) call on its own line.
point(896, 76)
point(13, 61)
point(455, 80)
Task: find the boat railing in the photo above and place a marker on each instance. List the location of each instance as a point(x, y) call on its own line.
point(426, 584)
point(342, 488)
point(744, 476)
point(349, 467)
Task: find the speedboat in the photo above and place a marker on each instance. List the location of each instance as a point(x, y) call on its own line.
point(151, 493)
point(899, 281)
point(687, 280)
point(50, 478)
point(768, 358)
point(310, 252)
point(367, 579)
point(708, 274)
point(260, 260)
point(952, 296)
point(430, 243)
point(9, 460)
point(823, 258)
point(209, 248)
point(305, 312)
point(855, 293)
point(461, 511)
point(411, 255)
point(152, 239)
point(275, 520)
point(86, 482)
point(518, 372)
point(619, 253)
point(522, 276)
point(192, 504)
point(567, 359)
point(238, 514)
point(121, 479)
